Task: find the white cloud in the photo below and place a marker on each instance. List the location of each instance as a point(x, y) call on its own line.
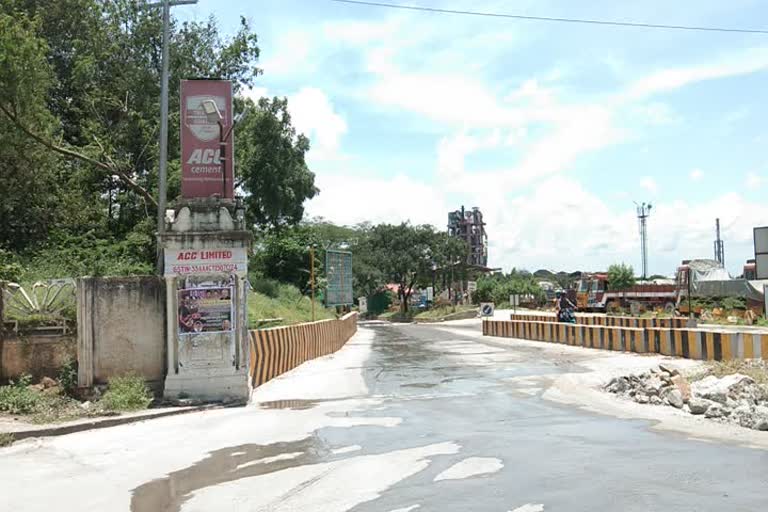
point(751, 61)
point(649, 184)
point(313, 114)
point(754, 180)
point(290, 54)
point(696, 174)
point(350, 199)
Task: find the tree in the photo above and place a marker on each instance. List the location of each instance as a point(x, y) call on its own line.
point(405, 255)
point(79, 111)
point(621, 277)
point(273, 171)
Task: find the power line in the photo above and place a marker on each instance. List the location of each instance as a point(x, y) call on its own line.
point(551, 19)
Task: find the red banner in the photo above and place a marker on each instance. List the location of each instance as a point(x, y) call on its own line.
point(201, 162)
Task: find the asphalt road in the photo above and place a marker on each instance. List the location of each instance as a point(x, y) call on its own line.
point(405, 418)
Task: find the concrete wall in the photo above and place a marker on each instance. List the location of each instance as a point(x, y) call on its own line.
point(702, 344)
point(39, 356)
point(121, 328)
point(280, 349)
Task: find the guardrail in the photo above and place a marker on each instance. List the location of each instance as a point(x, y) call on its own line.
point(702, 344)
point(614, 321)
point(277, 350)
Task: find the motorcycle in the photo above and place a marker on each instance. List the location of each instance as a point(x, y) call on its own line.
point(566, 315)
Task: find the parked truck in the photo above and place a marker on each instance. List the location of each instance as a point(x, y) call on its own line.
point(700, 278)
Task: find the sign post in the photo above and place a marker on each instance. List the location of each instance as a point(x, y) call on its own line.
point(205, 256)
point(487, 309)
point(338, 272)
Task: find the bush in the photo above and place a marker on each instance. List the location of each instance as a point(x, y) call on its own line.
point(17, 398)
point(128, 393)
point(10, 268)
point(266, 286)
point(67, 376)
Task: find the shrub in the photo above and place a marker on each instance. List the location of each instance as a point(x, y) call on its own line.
point(67, 376)
point(128, 393)
point(17, 398)
point(265, 286)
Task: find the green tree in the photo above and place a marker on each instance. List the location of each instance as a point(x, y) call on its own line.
point(405, 255)
point(272, 166)
point(621, 277)
point(79, 105)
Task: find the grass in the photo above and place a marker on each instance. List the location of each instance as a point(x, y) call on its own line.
point(439, 312)
point(754, 368)
point(6, 439)
point(289, 305)
point(436, 313)
point(128, 393)
point(51, 406)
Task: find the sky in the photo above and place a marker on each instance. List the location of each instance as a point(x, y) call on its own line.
point(553, 130)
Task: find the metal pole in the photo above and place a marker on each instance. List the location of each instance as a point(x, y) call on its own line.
point(223, 159)
point(690, 309)
point(312, 277)
point(163, 122)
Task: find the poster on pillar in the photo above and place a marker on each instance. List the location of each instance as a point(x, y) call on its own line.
point(206, 306)
point(206, 121)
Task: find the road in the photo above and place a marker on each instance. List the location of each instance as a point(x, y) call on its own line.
point(404, 418)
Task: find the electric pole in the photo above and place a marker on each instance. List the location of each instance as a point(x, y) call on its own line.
point(163, 164)
point(643, 212)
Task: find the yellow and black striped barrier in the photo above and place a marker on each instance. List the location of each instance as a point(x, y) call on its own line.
point(277, 350)
point(701, 344)
point(611, 321)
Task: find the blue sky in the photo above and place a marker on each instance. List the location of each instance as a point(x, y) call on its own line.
point(552, 129)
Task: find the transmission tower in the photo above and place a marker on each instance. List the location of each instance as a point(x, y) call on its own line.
point(643, 212)
point(719, 246)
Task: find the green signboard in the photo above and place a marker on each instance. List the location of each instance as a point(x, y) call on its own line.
point(338, 271)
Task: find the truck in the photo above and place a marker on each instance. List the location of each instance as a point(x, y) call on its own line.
point(593, 293)
point(701, 278)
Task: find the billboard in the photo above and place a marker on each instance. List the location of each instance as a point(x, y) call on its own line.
point(761, 252)
point(338, 271)
point(201, 162)
point(232, 260)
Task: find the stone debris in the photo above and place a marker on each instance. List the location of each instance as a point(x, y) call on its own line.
point(734, 398)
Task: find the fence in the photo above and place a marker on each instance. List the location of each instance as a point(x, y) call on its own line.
point(614, 321)
point(703, 344)
point(277, 350)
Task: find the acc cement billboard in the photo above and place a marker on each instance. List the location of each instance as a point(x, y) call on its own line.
point(201, 163)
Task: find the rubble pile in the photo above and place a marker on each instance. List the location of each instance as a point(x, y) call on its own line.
point(734, 398)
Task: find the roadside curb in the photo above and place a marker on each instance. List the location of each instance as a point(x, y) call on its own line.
point(60, 430)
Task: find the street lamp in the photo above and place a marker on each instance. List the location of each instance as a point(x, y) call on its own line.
point(214, 115)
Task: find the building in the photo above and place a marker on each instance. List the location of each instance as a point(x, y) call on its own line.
point(469, 226)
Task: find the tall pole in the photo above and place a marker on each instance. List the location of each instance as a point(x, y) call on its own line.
point(162, 192)
point(312, 277)
point(643, 212)
point(163, 163)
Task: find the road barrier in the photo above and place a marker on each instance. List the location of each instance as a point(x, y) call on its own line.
point(613, 321)
point(277, 350)
point(702, 344)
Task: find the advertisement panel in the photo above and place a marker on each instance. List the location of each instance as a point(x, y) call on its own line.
point(205, 310)
point(338, 271)
point(205, 261)
point(201, 162)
